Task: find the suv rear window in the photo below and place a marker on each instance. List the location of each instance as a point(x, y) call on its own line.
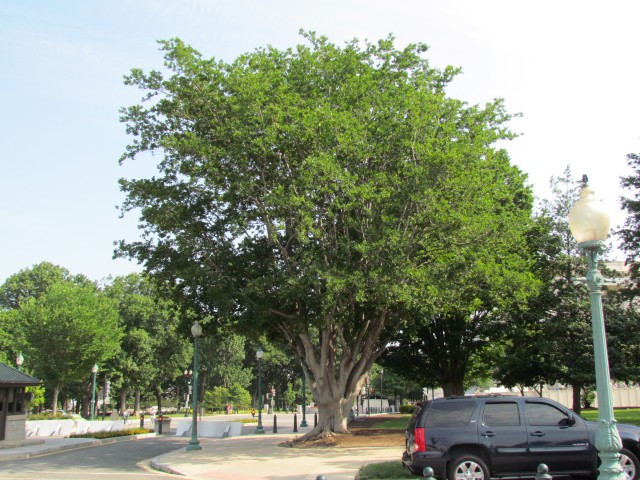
point(449, 414)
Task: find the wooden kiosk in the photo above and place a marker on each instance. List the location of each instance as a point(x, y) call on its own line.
point(12, 402)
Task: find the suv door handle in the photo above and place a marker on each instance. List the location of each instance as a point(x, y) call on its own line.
point(537, 434)
point(488, 434)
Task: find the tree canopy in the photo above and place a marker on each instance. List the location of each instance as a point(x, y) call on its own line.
point(69, 328)
point(310, 193)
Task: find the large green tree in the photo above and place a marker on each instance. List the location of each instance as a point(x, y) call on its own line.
point(33, 282)
point(307, 193)
point(68, 329)
point(28, 283)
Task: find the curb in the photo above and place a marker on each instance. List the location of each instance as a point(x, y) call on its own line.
point(166, 468)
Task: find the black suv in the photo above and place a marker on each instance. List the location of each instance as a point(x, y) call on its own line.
point(503, 436)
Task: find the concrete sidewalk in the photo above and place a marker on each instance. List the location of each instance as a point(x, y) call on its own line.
point(258, 457)
point(246, 457)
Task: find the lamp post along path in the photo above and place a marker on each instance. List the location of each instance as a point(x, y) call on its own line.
point(19, 361)
point(194, 444)
point(94, 370)
point(589, 225)
point(259, 355)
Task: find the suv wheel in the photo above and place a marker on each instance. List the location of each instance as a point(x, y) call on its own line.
point(629, 464)
point(468, 467)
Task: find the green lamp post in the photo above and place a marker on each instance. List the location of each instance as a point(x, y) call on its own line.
point(94, 370)
point(194, 444)
point(589, 224)
point(19, 361)
point(259, 355)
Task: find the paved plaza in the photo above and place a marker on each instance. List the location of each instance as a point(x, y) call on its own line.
point(249, 456)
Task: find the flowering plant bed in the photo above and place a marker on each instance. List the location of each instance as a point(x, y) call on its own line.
point(115, 433)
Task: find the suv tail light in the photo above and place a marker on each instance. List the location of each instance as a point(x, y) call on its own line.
point(418, 438)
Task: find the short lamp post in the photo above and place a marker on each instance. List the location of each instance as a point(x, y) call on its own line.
point(188, 375)
point(194, 444)
point(94, 370)
point(259, 355)
point(19, 361)
point(589, 224)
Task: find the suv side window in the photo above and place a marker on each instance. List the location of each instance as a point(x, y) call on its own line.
point(501, 414)
point(449, 414)
point(542, 414)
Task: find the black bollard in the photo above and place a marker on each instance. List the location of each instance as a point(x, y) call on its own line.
point(275, 424)
point(295, 423)
point(543, 473)
point(159, 424)
point(315, 420)
point(142, 420)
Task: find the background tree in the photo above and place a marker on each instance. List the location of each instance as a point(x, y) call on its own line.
point(551, 340)
point(34, 282)
point(18, 288)
point(223, 360)
point(308, 193)
point(142, 310)
point(630, 233)
point(68, 329)
point(171, 350)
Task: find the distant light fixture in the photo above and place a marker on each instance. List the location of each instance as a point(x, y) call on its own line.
point(19, 360)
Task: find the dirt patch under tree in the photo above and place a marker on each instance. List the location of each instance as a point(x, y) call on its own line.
point(362, 433)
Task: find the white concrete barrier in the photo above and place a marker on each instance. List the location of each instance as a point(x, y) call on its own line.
point(65, 428)
point(209, 428)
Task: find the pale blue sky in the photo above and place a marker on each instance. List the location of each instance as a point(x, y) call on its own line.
point(571, 67)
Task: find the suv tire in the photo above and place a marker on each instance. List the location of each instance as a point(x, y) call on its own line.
point(468, 467)
point(630, 464)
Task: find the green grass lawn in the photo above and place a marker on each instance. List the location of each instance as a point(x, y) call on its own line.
point(386, 470)
point(622, 415)
point(394, 423)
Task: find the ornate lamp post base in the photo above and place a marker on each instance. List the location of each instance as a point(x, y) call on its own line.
point(193, 445)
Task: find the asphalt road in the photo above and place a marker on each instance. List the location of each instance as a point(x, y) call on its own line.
point(122, 460)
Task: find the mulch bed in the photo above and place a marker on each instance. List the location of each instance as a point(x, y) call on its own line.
point(362, 433)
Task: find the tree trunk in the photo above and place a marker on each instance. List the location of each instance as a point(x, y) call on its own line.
point(539, 389)
point(136, 403)
point(335, 367)
point(577, 404)
point(54, 398)
point(85, 406)
point(123, 399)
point(453, 387)
point(159, 400)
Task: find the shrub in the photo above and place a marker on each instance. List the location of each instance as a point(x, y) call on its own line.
point(407, 408)
point(50, 416)
point(116, 433)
